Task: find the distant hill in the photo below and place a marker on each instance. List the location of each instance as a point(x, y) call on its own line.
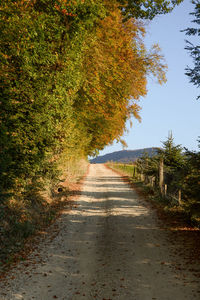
point(124, 156)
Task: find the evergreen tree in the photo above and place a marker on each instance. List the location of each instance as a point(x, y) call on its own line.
point(172, 154)
point(194, 73)
point(192, 177)
point(174, 162)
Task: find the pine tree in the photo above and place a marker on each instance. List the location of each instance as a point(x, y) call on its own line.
point(171, 153)
point(192, 177)
point(194, 73)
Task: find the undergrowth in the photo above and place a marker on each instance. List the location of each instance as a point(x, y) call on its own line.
point(27, 212)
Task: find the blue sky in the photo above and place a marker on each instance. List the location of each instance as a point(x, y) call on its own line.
point(172, 106)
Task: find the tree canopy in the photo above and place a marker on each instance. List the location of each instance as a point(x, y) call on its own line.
point(72, 74)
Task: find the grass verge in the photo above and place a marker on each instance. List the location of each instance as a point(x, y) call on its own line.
point(165, 207)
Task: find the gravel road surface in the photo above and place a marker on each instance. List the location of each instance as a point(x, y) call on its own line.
point(109, 246)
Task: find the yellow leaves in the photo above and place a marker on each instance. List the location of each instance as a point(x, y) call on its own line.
point(114, 75)
point(5, 55)
point(156, 64)
point(123, 143)
point(115, 65)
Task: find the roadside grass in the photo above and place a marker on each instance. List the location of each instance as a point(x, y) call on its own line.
point(165, 205)
point(127, 168)
point(27, 214)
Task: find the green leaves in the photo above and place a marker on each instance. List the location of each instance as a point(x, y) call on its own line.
point(146, 9)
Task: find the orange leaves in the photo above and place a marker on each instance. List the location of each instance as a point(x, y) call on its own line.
point(64, 11)
point(115, 67)
point(114, 74)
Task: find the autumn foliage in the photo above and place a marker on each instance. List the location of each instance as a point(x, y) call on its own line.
point(72, 74)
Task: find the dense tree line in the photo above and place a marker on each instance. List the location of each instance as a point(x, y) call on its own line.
point(71, 75)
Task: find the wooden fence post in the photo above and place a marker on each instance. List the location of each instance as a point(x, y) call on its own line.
point(179, 197)
point(165, 190)
point(152, 181)
point(134, 172)
point(142, 177)
point(161, 175)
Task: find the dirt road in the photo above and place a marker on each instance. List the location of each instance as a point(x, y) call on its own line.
point(108, 247)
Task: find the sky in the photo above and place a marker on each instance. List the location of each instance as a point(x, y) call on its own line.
point(172, 106)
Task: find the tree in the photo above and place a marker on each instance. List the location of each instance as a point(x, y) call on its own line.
point(171, 153)
point(72, 73)
point(192, 177)
point(146, 9)
point(194, 73)
point(115, 78)
point(41, 53)
point(174, 162)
